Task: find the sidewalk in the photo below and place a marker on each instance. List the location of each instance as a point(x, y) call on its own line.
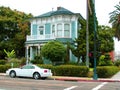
point(115, 78)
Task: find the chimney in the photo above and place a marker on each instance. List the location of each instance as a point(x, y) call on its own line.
point(58, 8)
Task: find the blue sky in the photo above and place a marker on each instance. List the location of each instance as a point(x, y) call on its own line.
point(37, 7)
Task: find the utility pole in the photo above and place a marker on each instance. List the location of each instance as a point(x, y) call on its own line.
point(87, 34)
point(95, 36)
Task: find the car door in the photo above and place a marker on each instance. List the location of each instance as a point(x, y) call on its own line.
point(26, 71)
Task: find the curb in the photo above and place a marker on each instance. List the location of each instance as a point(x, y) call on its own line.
point(75, 79)
point(85, 80)
point(2, 74)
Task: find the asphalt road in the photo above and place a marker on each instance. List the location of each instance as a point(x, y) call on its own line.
point(7, 83)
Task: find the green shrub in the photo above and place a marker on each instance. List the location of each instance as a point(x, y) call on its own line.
point(37, 60)
point(14, 62)
point(23, 61)
point(106, 71)
point(3, 68)
point(105, 60)
point(45, 66)
point(117, 63)
point(2, 62)
point(71, 70)
point(67, 70)
point(75, 63)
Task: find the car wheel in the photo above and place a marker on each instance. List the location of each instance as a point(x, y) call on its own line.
point(12, 74)
point(36, 76)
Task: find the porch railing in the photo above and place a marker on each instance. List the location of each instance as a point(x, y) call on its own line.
point(40, 37)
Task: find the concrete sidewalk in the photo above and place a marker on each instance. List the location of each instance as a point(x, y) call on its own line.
point(115, 78)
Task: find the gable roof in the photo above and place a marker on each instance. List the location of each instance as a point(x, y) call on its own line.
point(59, 11)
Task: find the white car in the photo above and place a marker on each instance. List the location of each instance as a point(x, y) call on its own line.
point(29, 70)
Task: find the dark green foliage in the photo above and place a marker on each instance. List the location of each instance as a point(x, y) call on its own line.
point(68, 70)
point(23, 61)
point(14, 26)
point(54, 51)
point(3, 68)
point(14, 62)
point(45, 66)
point(71, 70)
point(37, 60)
point(106, 42)
point(106, 71)
point(67, 55)
point(2, 62)
point(105, 60)
point(117, 63)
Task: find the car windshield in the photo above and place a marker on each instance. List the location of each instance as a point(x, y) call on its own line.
point(28, 67)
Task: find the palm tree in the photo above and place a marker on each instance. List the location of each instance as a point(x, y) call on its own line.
point(115, 20)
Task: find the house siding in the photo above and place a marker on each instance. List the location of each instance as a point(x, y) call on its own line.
point(73, 31)
point(47, 28)
point(34, 29)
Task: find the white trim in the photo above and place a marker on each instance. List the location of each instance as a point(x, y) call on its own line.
point(62, 29)
point(76, 29)
point(31, 29)
point(70, 30)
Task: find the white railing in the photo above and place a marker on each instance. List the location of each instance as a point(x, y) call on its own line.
point(39, 37)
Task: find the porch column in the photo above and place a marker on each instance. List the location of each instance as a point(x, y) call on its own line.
point(31, 53)
point(27, 56)
point(62, 29)
point(55, 31)
point(38, 49)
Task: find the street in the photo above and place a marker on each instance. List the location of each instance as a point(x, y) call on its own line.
point(7, 83)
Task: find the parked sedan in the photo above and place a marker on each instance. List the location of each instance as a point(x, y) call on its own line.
point(29, 70)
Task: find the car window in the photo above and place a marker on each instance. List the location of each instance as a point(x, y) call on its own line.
point(31, 67)
point(28, 67)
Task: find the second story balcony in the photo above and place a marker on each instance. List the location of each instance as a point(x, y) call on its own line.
point(39, 37)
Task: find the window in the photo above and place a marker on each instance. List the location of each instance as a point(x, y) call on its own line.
point(53, 29)
point(66, 30)
point(59, 30)
point(41, 30)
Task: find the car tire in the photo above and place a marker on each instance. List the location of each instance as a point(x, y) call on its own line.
point(12, 74)
point(36, 76)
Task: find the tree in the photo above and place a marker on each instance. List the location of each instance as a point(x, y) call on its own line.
point(67, 55)
point(79, 50)
point(14, 26)
point(115, 20)
point(54, 51)
point(105, 34)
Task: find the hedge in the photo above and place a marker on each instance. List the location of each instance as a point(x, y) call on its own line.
point(68, 70)
point(2, 62)
point(106, 71)
point(3, 68)
point(73, 70)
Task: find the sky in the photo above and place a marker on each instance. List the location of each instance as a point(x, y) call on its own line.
point(38, 7)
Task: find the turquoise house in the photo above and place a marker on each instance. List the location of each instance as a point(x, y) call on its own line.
point(62, 25)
